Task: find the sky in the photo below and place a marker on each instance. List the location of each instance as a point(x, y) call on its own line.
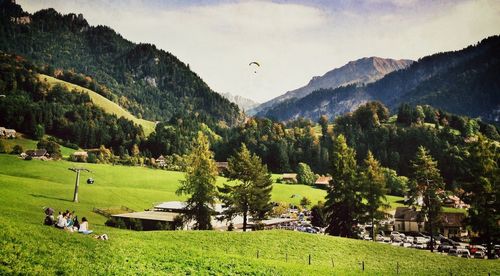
point(291, 40)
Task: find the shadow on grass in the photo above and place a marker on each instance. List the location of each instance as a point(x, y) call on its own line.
point(51, 197)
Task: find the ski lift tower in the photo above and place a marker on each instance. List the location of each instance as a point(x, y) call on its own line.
point(77, 170)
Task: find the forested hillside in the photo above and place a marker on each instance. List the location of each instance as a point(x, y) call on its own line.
point(463, 82)
point(392, 140)
point(33, 107)
point(149, 82)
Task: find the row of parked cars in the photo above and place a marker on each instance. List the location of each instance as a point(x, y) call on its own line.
point(443, 245)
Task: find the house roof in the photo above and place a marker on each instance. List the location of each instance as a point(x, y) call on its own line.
point(290, 175)
point(80, 153)
point(179, 205)
point(452, 219)
point(323, 180)
point(161, 157)
point(222, 164)
point(406, 214)
point(36, 153)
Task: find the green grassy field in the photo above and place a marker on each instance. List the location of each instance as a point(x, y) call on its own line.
point(28, 247)
point(28, 144)
point(102, 102)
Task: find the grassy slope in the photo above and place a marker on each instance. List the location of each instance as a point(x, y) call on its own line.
point(27, 246)
point(104, 103)
point(28, 144)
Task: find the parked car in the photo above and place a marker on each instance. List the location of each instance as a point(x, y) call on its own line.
point(394, 234)
point(408, 239)
point(406, 244)
point(379, 238)
point(459, 252)
point(387, 239)
point(464, 253)
point(479, 254)
point(419, 245)
point(444, 247)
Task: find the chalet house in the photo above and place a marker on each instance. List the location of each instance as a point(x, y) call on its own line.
point(452, 225)
point(454, 202)
point(222, 167)
point(406, 220)
point(289, 178)
point(161, 161)
point(81, 154)
point(37, 154)
point(7, 133)
point(323, 181)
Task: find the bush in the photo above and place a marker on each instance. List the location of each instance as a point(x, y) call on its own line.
point(305, 174)
point(2, 147)
point(92, 158)
point(17, 149)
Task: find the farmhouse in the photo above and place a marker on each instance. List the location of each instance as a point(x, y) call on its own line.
point(7, 133)
point(406, 220)
point(37, 154)
point(289, 178)
point(452, 225)
point(454, 202)
point(161, 161)
point(323, 181)
point(222, 166)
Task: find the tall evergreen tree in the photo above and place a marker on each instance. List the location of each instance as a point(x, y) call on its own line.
point(343, 201)
point(251, 194)
point(374, 187)
point(201, 173)
point(482, 191)
point(426, 182)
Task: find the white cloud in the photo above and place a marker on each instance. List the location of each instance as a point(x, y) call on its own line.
point(293, 42)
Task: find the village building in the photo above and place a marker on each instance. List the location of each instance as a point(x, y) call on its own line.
point(160, 161)
point(452, 225)
point(289, 178)
point(323, 181)
point(222, 167)
point(406, 220)
point(454, 202)
point(167, 212)
point(37, 154)
point(7, 133)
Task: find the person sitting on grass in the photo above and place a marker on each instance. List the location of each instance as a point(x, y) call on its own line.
point(84, 227)
point(76, 224)
point(61, 221)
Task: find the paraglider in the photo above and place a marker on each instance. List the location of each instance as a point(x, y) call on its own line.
point(254, 64)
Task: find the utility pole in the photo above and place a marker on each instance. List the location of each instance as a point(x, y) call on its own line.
point(77, 170)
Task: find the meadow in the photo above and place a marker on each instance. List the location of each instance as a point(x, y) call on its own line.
point(28, 247)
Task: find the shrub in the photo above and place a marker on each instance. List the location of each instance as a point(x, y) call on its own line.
point(305, 174)
point(17, 149)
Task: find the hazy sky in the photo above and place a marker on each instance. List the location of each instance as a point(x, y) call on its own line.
point(292, 40)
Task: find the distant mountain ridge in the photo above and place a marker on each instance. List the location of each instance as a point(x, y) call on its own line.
point(361, 71)
point(150, 83)
point(242, 102)
point(464, 82)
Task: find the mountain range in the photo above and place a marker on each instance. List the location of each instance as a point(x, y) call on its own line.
point(361, 71)
point(242, 102)
point(463, 82)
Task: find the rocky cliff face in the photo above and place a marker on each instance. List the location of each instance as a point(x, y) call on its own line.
point(242, 102)
point(360, 71)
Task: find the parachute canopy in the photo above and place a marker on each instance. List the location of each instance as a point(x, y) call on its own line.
point(254, 62)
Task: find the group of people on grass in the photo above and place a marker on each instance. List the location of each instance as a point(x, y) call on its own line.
point(69, 221)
